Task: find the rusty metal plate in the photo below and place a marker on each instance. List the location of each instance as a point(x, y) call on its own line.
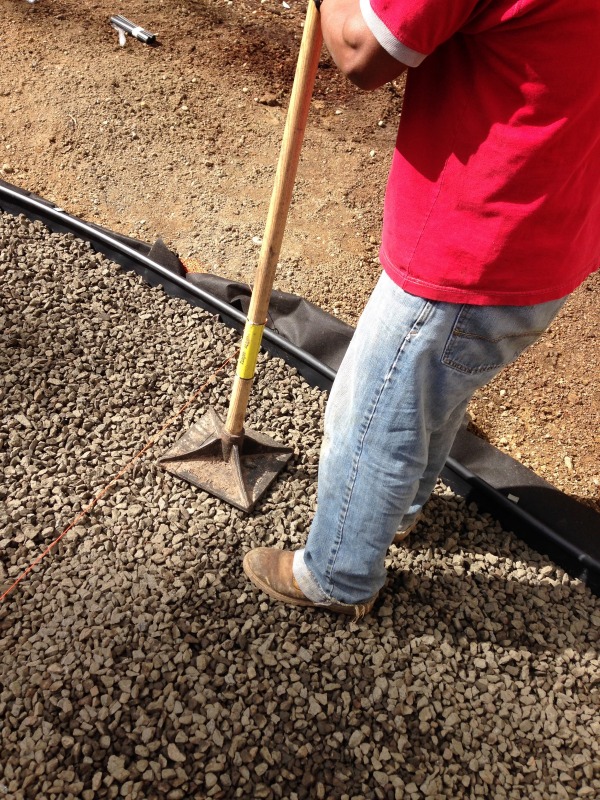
point(241, 478)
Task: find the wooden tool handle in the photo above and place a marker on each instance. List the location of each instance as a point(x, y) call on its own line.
point(295, 125)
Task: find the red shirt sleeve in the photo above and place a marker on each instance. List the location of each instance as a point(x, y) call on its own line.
point(418, 25)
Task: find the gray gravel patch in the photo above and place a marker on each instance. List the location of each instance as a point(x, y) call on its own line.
point(137, 662)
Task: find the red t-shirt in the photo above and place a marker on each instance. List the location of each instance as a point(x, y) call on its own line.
point(494, 190)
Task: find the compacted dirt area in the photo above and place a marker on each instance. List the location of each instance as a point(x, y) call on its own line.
point(181, 140)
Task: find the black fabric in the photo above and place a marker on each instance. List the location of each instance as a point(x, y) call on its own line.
point(160, 253)
point(303, 324)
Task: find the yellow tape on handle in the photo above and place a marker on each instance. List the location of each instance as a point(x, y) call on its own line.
point(249, 351)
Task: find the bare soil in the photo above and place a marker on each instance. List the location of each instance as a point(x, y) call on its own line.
point(181, 140)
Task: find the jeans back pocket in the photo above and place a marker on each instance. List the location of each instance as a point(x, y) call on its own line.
point(487, 338)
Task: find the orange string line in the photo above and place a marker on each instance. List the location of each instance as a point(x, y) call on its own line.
point(112, 482)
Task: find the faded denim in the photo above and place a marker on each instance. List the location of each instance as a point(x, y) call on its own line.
point(397, 402)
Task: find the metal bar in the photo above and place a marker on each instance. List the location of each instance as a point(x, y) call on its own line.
point(121, 23)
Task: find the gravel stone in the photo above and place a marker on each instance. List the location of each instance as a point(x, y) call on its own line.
point(136, 661)
point(175, 753)
point(116, 768)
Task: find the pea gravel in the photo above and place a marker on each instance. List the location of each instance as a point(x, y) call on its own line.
point(137, 662)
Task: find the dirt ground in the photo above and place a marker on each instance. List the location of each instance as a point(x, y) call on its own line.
point(181, 140)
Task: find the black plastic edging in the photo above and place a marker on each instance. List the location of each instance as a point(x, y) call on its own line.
point(575, 559)
point(533, 531)
point(155, 274)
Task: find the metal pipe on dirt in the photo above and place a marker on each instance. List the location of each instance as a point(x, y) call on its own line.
point(289, 157)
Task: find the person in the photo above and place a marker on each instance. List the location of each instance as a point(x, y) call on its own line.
point(491, 219)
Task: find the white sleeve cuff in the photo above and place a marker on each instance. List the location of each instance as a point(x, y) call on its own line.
point(387, 40)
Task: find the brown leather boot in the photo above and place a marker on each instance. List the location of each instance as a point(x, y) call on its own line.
point(270, 569)
point(403, 534)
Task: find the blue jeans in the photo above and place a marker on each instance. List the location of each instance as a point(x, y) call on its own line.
point(395, 407)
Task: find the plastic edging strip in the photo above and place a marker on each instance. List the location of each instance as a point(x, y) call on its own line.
point(575, 560)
